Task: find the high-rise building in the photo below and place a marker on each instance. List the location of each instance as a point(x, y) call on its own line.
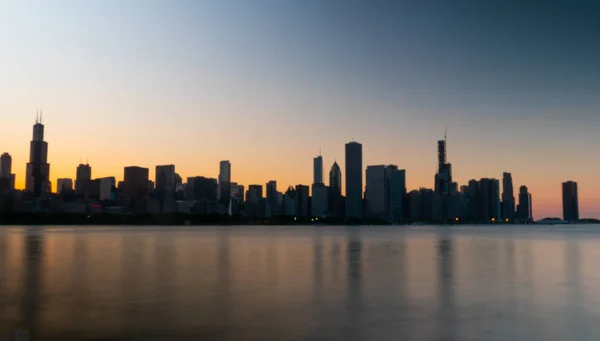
point(508, 197)
point(354, 180)
point(489, 190)
point(524, 210)
point(165, 181)
point(135, 184)
point(319, 202)
point(237, 192)
point(272, 201)
point(201, 188)
point(6, 170)
point(258, 189)
point(376, 192)
point(302, 195)
point(107, 188)
point(38, 170)
point(225, 182)
point(64, 185)
point(82, 181)
point(318, 170)
point(335, 202)
point(397, 193)
point(570, 201)
point(385, 190)
point(443, 177)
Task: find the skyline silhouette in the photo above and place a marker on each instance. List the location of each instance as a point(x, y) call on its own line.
point(267, 86)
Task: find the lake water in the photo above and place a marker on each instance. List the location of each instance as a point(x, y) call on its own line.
point(300, 283)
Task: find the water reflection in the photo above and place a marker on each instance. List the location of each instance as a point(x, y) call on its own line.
point(298, 284)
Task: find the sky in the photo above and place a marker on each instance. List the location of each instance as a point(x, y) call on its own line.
point(266, 84)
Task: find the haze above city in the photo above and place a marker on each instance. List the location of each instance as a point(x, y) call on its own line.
point(267, 84)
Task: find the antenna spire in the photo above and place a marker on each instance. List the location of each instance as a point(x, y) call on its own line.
point(41, 114)
point(445, 134)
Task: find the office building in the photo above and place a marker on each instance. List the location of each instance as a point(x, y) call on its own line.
point(319, 200)
point(385, 190)
point(354, 180)
point(302, 196)
point(570, 201)
point(6, 170)
point(272, 201)
point(489, 190)
point(397, 193)
point(336, 201)
point(318, 170)
point(508, 197)
point(107, 188)
point(135, 184)
point(225, 182)
point(443, 177)
point(237, 192)
point(82, 180)
point(38, 170)
point(524, 210)
point(64, 185)
point(165, 181)
point(200, 188)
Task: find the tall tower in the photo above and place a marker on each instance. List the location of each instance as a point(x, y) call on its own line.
point(335, 202)
point(508, 197)
point(6, 170)
point(354, 180)
point(570, 201)
point(38, 170)
point(524, 210)
point(443, 177)
point(318, 170)
point(83, 179)
point(225, 182)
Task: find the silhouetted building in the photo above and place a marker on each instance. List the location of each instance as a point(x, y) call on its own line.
point(38, 170)
point(165, 181)
point(318, 170)
point(289, 202)
point(335, 202)
point(424, 205)
point(302, 196)
point(490, 199)
point(253, 200)
point(64, 185)
point(377, 192)
point(443, 177)
point(201, 188)
point(135, 184)
point(237, 192)
point(508, 197)
point(82, 180)
point(354, 180)
point(107, 188)
point(6, 170)
point(225, 182)
point(524, 210)
point(397, 193)
point(319, 200)
point(272, 198)
point(570, 201)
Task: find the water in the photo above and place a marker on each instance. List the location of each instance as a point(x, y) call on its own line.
point(300, 283)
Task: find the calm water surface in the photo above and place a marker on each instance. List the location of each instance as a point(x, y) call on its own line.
point(300, 283)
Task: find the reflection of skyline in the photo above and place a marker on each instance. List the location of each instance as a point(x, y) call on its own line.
point(446, 307)
point(32, 281)
point(354, 300)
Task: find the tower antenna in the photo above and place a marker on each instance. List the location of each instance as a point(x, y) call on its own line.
point(37, 115)
point(445, 133)
point(41, 114)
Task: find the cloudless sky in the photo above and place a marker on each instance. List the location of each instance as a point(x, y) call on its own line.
point(266, 83)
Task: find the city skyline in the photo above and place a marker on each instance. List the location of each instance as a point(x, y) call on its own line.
point(515, 84)
point(496, 202)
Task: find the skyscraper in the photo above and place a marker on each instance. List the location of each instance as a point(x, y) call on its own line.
point(354, 180)
point(225, 182)
point(524, 210)
point(489, 190)
point(82, 181)
point(443, 177)
point(376, 192)
point(135, 184)
point(165, 181)
point(508, 197)
point(6, 170)
point(318, 170)
point(397, 193)
point(335, 202)
point(570, 200)
point(38, 170)
point(272, 201)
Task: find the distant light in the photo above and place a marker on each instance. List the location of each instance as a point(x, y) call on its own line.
point(507, 220)
point(456, 218)
point(493, 219)
point(312, 219)
point(317, 218)
point(295, 218)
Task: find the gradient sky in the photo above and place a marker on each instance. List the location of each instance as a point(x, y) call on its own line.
point(266, 83)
